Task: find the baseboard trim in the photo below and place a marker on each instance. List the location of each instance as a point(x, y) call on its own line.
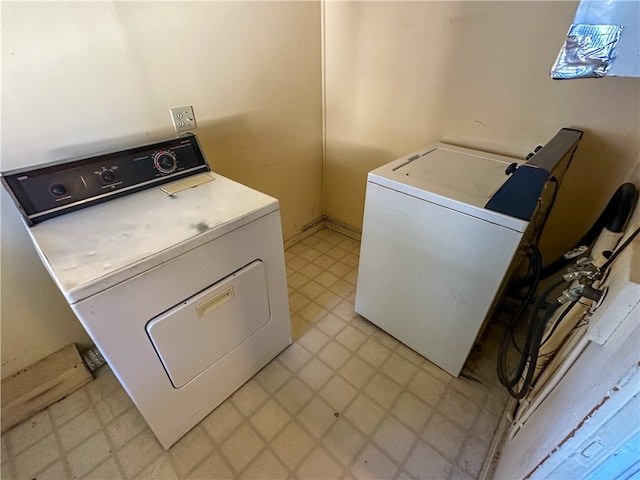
point(495, 449)
point(324, 222)
point(306, 231)
point(343, 228)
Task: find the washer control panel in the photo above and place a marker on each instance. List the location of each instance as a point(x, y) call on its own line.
point(50, 190)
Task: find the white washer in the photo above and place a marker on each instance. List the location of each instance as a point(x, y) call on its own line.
point(184, 294)
point(435, 253)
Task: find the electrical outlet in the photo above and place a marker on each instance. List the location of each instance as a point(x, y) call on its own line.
point(183, 118)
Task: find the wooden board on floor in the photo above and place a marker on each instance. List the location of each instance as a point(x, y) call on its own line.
point(42, 384)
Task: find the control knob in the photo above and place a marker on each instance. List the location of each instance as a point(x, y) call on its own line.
point(58, 190)
point(107, 176)
point(511, 168)
point(165, 162)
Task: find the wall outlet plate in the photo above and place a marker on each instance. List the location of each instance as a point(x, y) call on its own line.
point(183, 118)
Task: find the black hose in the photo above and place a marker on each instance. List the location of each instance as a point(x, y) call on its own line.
point(535, 350)
point(619, 250)
point(535, 266)
point(614, 218)
point(558, 322)
point(531, 343)
point(530, 358)
point(621, 206)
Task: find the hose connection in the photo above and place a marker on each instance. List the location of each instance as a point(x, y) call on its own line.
point(577, 291)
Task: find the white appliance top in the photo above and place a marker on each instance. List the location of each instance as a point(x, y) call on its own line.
point(455, 177)
point(95, 248)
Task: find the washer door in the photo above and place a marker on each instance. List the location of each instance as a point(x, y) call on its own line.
point(198, 332)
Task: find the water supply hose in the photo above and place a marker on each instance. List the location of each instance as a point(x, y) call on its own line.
point(602, 237)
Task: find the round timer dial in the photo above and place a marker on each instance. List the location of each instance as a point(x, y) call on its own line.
point(165, 162)
point(107, 176)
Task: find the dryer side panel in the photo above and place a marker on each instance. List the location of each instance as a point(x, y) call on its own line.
point(428, 275)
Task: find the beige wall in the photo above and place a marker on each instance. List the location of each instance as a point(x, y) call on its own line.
point(78, 78)
point(83, 77)
point(401, 75)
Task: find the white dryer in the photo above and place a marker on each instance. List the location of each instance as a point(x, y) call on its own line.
point(441, 229)
point(177, 273)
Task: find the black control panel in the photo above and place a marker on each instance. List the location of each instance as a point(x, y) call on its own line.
point(54, 189)
point(520, 195)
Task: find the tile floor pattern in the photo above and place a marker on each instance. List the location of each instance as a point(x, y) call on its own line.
point(345, 400)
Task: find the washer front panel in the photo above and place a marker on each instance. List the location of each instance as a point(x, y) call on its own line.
point(428, 275)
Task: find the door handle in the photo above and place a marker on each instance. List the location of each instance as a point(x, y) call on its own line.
point(214, 302)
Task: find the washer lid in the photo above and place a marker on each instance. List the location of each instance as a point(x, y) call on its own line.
point(470, 177)
point(455, 177)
